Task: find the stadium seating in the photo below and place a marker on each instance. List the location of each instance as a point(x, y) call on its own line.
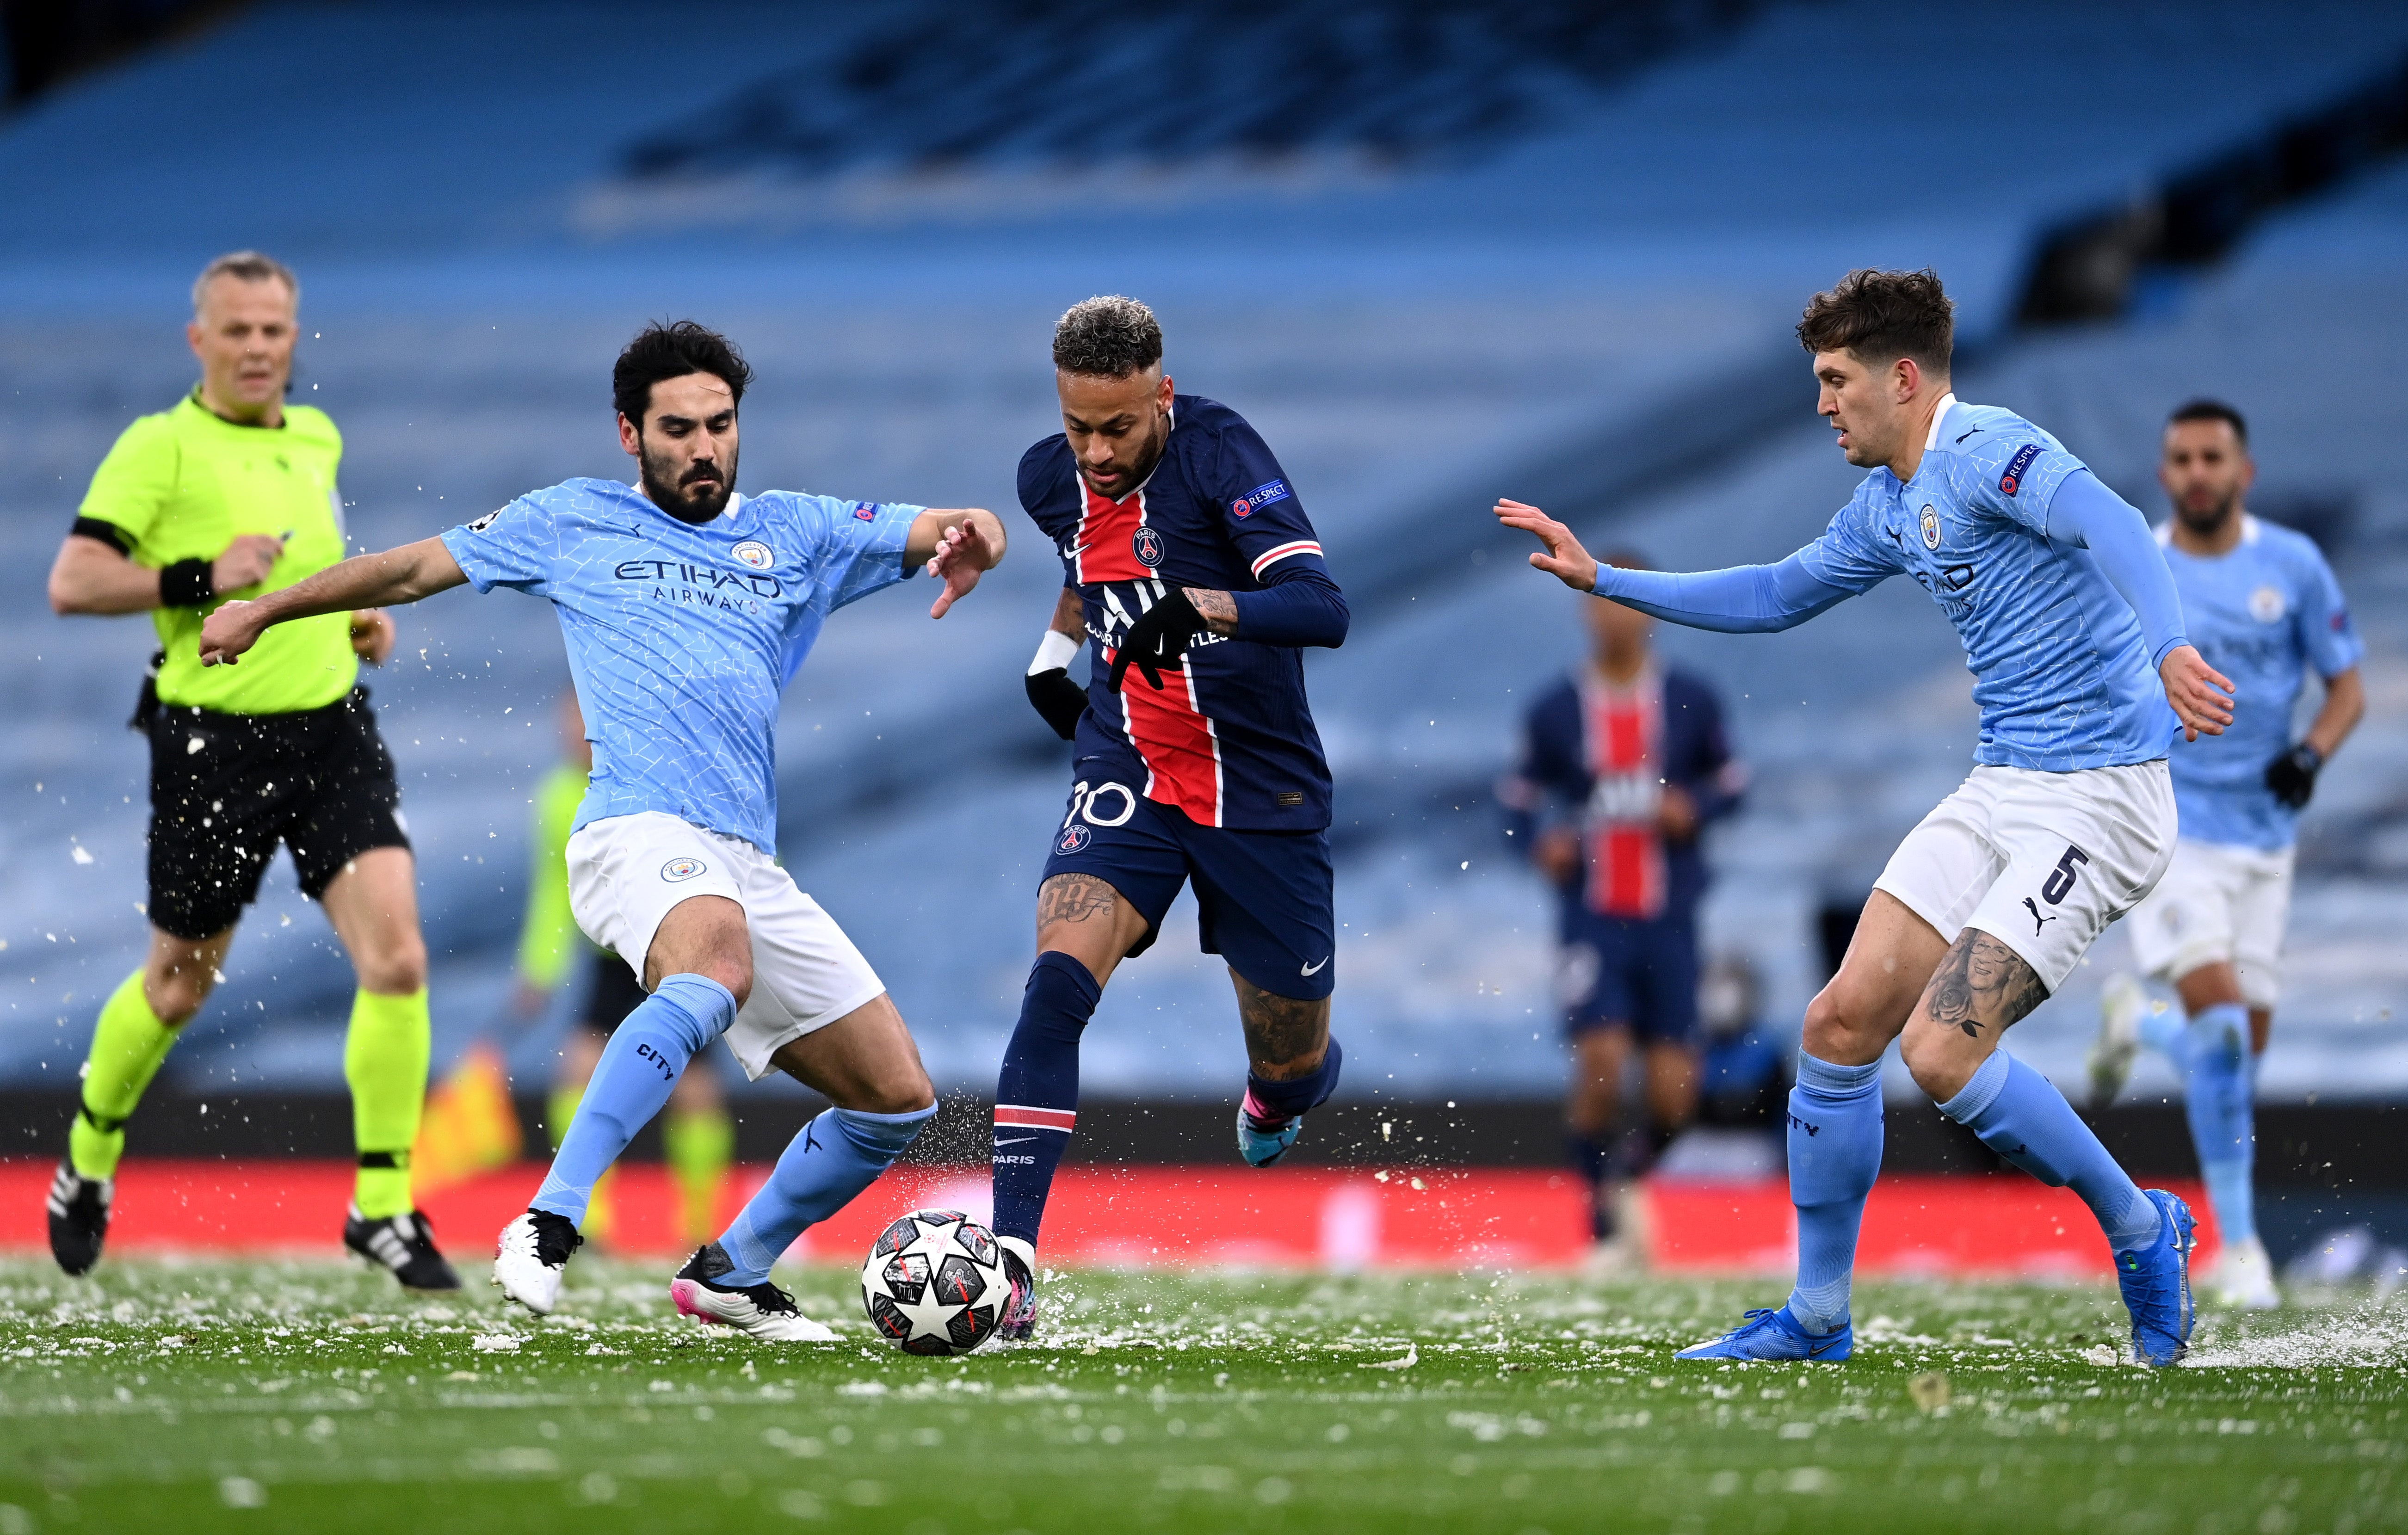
point(1587, 307)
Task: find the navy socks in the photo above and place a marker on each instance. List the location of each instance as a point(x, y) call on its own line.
point(1277, 1102)
point(631, 1083)
point(2022, 1116)
point(1835, 1151)
point(1037, 1095)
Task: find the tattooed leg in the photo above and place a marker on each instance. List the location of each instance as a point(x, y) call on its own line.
point(1981, 988)
point(1285, 1037)
point(1084, 917)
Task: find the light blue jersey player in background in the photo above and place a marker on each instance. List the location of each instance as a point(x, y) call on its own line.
point(2264, 608)
point(2069, 621)
point(687, 608)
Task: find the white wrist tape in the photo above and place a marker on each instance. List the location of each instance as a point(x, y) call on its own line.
point(1054, 653)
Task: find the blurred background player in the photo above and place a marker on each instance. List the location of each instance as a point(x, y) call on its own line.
point(687, 608)
point(2262, 606)
point(1623, 767)
point(231, 492)
point(697, 1136)
point(1185, 553)
point(2064, 606)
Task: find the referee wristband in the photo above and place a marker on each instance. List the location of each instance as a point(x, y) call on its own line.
point(187, 584)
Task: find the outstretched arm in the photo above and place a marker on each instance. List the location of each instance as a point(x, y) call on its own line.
point(1743, 599)
point(2088, 515)
point(958, 546)
point(366, 581)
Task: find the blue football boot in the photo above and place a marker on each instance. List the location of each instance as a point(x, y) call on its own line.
point(1776, 1334)
point(1262, 1138)
point(2156, 1281)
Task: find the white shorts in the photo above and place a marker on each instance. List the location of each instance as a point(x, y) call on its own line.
point(2041, 862)
point(2218, 904)
point(626, 872)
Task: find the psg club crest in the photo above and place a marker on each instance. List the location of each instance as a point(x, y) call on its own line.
point(1931, 528)
point(756, 553)
point(1074, 838)
point(1147, 545)
point(677, 869)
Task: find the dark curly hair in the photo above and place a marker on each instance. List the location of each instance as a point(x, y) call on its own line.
point(1882, 317)
point(672, 350)
point(1107, 338)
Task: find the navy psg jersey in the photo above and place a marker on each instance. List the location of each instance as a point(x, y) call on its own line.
point(1229, 739)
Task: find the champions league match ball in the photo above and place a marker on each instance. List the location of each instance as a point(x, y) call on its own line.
point(933, 1283)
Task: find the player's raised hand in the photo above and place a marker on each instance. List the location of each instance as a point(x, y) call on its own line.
point(962, 555)
point(1563, 558)
point(231, 629)
point(2192, 687)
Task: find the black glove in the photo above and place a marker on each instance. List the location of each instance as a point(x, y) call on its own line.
point(2292, 776)
point(1059, 700)
point(1158, 638)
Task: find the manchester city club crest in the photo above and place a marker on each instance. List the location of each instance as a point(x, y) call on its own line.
point(756, 553)
point(1147, 544)
point(1931, 528)
point(682, 868)
point(2265, 605)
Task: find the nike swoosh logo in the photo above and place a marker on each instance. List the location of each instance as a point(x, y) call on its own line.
point(1022, 1140)
point(1813, 1349)
point(1315, 969)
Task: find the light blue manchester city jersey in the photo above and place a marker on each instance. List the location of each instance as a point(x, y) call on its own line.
point(681, 638)
point(2261, 614)
point(2061, 673)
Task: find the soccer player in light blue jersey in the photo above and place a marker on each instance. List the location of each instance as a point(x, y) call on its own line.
point(2075, 636)
point(687, 608)
point(2263, 606)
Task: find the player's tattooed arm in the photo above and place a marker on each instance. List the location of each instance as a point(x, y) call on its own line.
point(1070, 616)
point(1218, 609)
point(1284, 1035)
point(1982, 984)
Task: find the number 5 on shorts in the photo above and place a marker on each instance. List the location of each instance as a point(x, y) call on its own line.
point(2061, 883)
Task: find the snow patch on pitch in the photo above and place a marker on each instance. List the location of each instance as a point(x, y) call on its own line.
point(2358, 1340)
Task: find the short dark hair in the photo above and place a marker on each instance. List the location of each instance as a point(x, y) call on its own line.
point(1883, 316)
point(672, 350)
point(1107, 338)
point(2204, 408)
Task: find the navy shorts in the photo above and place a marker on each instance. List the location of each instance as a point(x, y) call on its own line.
point(1612, 970)
point(1263, 899)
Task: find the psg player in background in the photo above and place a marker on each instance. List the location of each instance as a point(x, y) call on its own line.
point(1188, 561)
point(1623, 767)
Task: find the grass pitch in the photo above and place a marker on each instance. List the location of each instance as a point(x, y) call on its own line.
point(225, 1396)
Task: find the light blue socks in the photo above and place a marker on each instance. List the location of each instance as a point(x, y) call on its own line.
point(631, 1083)
point(2219, 1080)
point(1835, 1151)
point(2022, 1116)
point(837, 1155)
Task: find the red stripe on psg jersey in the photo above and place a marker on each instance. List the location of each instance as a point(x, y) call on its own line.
point(1180, 749)
point(1013, 1116)
point(1626, 872)
point(1106, 539)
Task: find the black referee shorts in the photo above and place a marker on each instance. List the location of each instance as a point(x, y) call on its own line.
point(226, 789)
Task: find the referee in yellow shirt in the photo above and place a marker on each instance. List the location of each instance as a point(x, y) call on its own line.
point(232, 493)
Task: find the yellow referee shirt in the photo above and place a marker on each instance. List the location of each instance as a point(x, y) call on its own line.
point(185, 483)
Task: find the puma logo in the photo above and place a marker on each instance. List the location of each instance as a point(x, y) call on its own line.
point(2037, 921)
